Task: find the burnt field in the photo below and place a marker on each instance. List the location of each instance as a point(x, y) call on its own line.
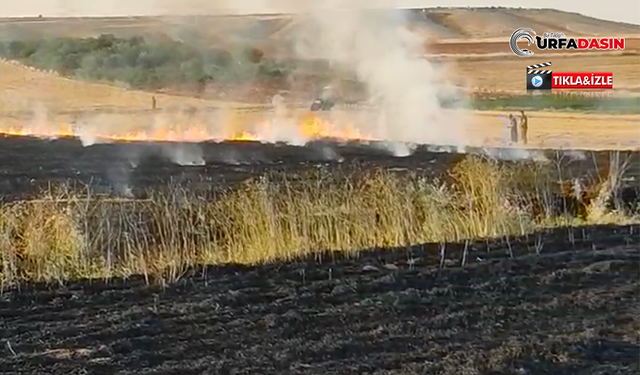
point(29, 165)
point(543, 304)
point(562, 300)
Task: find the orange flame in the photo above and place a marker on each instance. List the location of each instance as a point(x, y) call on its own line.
point(310, 128)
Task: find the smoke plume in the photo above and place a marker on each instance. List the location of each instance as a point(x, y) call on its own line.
point(403, 86)
point(375, 46)
point(184, 154)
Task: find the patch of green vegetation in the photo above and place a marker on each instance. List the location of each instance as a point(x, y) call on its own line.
point(617, 105)
point(142, 63)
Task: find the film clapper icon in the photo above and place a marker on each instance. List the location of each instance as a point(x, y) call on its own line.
point(539, 79)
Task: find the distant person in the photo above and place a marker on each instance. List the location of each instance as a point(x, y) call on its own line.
point(278, 105)
point(524, 127)
point(277, 101)
point(153, 102)
point(513, 128)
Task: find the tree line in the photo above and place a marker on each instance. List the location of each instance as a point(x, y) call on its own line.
point(142, 63)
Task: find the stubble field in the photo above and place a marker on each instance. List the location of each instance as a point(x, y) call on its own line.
point(30, 98)
point(508, 73)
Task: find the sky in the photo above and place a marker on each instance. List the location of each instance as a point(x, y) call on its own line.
point(614, 10)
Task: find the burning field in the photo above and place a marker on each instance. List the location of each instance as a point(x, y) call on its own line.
point(146, 232)
point(103, 272)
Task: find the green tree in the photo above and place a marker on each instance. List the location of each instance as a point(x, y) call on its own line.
point(143, 63)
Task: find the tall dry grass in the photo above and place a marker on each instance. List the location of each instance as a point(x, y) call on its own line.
point(65, 236)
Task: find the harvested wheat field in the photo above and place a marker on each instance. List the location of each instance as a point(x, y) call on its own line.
point(564, 130)
point(38, 103)
point(24, 89)
point(147, 232)
point(508, 73)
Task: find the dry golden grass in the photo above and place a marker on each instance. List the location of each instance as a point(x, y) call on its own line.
point(25, 88)
point(67, 236)
point(31, 98)
point(63, 236)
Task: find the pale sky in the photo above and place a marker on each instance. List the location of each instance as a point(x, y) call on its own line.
point(615, 10)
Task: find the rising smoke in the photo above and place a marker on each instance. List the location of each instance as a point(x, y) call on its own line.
point(376, 47)
point(373, 45)
point(387, 58)
point(184, 154)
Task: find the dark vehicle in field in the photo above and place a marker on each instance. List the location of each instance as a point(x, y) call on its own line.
point(325, 101)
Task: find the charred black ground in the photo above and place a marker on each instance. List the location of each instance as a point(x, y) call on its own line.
point(28, 165)
point(570, 309)
point(562, 301)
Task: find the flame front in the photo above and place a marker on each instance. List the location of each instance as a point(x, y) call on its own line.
point(311, 127)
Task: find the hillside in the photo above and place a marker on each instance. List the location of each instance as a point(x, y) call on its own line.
point(480, 23)
point(436, 23)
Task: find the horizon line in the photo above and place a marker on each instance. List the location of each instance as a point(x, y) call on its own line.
point(236, 13)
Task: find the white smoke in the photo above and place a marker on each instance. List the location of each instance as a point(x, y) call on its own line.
point(387, 58)
point(40, 121)
point(379, 50)
point(91, 129)
point(398, 149)
point(119, 176)
point(276, 130)
point(184, 154)
point(515, 154)
point(281, 126)
point(376, 47)
point(330, 154)
point(233, 157)
point(451, 149)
